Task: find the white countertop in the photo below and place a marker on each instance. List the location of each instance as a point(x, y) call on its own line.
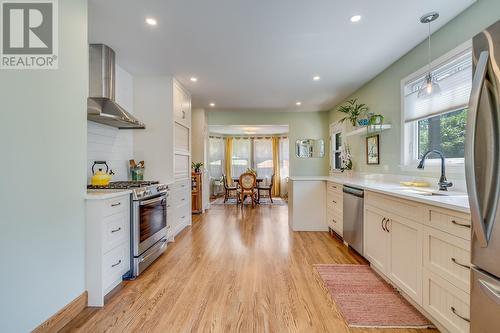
point(456, 200)
point(105, 194)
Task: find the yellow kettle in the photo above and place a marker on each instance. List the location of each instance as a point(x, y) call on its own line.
point(101, 178)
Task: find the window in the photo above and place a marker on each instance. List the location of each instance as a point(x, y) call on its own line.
point(241, 158)
point(335, 146)
point(215, 157)
point(438, 121)
point(263, 157)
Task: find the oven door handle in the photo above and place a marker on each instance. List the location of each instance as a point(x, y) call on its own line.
point(152, 201)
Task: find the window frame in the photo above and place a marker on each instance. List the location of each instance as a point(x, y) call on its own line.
point(409, 131)
point(335, 128)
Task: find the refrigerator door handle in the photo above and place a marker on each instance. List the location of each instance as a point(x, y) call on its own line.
point(491, 291)
point(478, 224)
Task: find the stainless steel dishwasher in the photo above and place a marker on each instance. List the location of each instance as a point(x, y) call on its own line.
point(353, 217)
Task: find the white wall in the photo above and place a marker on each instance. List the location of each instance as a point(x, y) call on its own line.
point(43, 149)
point(106, 143)
point(199, 138)
point(153, 105)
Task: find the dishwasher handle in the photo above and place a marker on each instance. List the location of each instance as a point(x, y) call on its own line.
point(354, 191)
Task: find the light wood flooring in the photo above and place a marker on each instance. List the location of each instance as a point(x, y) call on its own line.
point(234, 270)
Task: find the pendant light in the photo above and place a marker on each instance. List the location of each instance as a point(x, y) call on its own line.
point(429, 86)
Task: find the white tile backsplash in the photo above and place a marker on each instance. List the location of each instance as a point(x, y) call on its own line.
point(106, 143)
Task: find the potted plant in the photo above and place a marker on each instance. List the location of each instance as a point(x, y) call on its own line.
point(353, 111)
point(376, 119)
point(196, 166)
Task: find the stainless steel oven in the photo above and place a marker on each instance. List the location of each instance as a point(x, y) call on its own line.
point(149, 226)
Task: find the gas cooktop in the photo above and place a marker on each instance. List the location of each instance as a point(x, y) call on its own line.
point(123, 185)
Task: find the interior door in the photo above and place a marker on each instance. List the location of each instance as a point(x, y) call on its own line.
point(483, 151)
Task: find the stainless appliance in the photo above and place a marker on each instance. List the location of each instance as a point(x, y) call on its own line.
point(101, 105)
point(353, 217)
point(149, 224)
point(482, 165)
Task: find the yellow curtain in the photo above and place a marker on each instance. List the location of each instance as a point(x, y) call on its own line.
point(227, 160)
point(276, 167)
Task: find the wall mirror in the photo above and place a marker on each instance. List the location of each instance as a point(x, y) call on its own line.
point(310, 148)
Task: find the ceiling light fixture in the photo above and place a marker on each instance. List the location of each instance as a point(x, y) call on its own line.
point(212, 104)
point(429, 86)
point(151, 21)
point(298, 103)
point(194, 79)
point(355, 18)
point(316, 78)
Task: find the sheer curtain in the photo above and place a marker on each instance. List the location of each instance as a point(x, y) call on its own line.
point(241, 156)
point(215, 159)
point(263, 158)
point(284, 165)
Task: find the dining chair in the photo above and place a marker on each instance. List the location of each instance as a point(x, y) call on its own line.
point(266, 188)
point(247, 187)
point(229, 190)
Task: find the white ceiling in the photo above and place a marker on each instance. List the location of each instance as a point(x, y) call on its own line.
point(248, 130)
point(263, 54)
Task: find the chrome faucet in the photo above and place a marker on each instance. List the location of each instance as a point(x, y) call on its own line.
point(443, 182)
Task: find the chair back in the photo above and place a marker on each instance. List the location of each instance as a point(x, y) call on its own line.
point(224, 180)
point(272, 181)
point(247, 181)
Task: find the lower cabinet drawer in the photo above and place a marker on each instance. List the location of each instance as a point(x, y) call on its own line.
point(334, 219)
point(454, 223)
point(181, 166)
point(181, 197)
point(115, 263)
point(447, 256)
point(115, 230)
point(446, 303)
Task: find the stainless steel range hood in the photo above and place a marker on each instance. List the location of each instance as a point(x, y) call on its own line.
point(101, 105)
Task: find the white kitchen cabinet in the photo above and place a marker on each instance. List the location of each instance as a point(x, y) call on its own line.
point(393, 245)
point(334, 207)
point(425, 252)
point(376, 239)
point(306, 205)
point(181, 190)
point(405, 256)
point(107, 245)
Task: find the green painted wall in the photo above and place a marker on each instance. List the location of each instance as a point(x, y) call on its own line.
point(382, 94)
point(302, 125)
point(43, 140)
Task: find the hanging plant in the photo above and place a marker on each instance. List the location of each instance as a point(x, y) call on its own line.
point(353, 111)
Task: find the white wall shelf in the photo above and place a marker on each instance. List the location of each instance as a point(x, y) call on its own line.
point(369, 130)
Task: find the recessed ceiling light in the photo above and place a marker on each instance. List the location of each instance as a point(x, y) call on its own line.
point(212, 104)
point(298, 103)
point(316, 78)
point(194, 79)
point(151, 21)
point(355, 18)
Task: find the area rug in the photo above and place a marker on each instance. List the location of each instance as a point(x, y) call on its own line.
point(263, 201)
point(366, 300)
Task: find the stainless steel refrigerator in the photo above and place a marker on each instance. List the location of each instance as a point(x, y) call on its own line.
point(482, 166)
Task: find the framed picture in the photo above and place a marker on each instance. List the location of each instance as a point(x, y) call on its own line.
point(372, 150)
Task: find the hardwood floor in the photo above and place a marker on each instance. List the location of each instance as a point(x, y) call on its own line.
point(234, 270)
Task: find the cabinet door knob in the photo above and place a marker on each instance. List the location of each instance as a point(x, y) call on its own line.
point(116, 204)
point(119, 262)
point(386, 227)
point(382, 224)
point(116, 230)
point(455, 261)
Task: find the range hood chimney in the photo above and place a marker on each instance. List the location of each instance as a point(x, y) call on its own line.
point(101, 105)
